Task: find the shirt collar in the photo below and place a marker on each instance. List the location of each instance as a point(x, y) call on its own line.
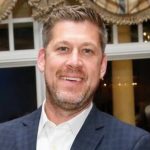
point(77, 122)
point(74, 124)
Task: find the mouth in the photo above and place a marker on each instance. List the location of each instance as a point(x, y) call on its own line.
point(73, 79)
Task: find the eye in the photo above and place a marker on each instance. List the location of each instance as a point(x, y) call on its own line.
point(62, 49)
point(88, 51)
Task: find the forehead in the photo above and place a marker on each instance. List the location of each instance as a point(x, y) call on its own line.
point(72, 28)
point(74, 23)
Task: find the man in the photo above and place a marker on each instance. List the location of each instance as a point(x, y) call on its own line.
point(73, 62)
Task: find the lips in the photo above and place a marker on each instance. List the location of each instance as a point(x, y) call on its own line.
point(72, 75)
point(77, 79)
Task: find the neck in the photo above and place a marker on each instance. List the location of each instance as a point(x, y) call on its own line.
point(58, 115)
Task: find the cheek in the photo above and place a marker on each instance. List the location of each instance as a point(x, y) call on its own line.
point(50, 69)
point(94, 72)
point(52, 66)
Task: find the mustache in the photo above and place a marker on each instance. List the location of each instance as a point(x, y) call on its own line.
point(71, 71)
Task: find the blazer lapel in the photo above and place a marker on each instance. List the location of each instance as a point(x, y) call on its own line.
point(91, 133)
point(27, 133)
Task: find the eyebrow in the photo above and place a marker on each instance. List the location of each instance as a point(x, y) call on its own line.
point(84, 43)
point(62, 42)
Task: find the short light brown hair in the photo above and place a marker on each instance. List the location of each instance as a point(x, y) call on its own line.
point(74, 13)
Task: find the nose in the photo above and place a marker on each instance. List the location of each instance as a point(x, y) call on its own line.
point(74, 59)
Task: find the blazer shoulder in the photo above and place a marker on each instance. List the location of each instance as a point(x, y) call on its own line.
point(112, 123)
point(13, 131)
point(120, 133)
point(117, 134)
point(13, 125)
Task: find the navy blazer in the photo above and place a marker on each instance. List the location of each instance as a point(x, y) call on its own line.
point(99, 132)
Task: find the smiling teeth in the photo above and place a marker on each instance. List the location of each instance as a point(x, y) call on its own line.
point(72, 79)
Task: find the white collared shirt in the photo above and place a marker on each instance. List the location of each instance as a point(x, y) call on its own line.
point(59, 137)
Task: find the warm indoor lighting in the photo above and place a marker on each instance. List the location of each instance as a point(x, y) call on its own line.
point(105, 84)
point(144, 33)
point(119, 84)
point(134, 83)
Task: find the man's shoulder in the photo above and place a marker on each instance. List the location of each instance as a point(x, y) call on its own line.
point(16, 130)
point(115, 126)
point(111, 133)
point(14, 124)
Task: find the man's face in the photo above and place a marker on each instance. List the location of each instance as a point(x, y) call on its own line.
point(73, 64)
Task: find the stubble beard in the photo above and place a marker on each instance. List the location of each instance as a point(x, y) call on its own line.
point(67, 101)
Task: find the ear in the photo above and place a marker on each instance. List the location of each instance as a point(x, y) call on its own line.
point(41, 59)
point(103, 66)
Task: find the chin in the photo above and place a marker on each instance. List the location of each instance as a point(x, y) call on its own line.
point(69, 97)
point(70, 102)
point(69, 106)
